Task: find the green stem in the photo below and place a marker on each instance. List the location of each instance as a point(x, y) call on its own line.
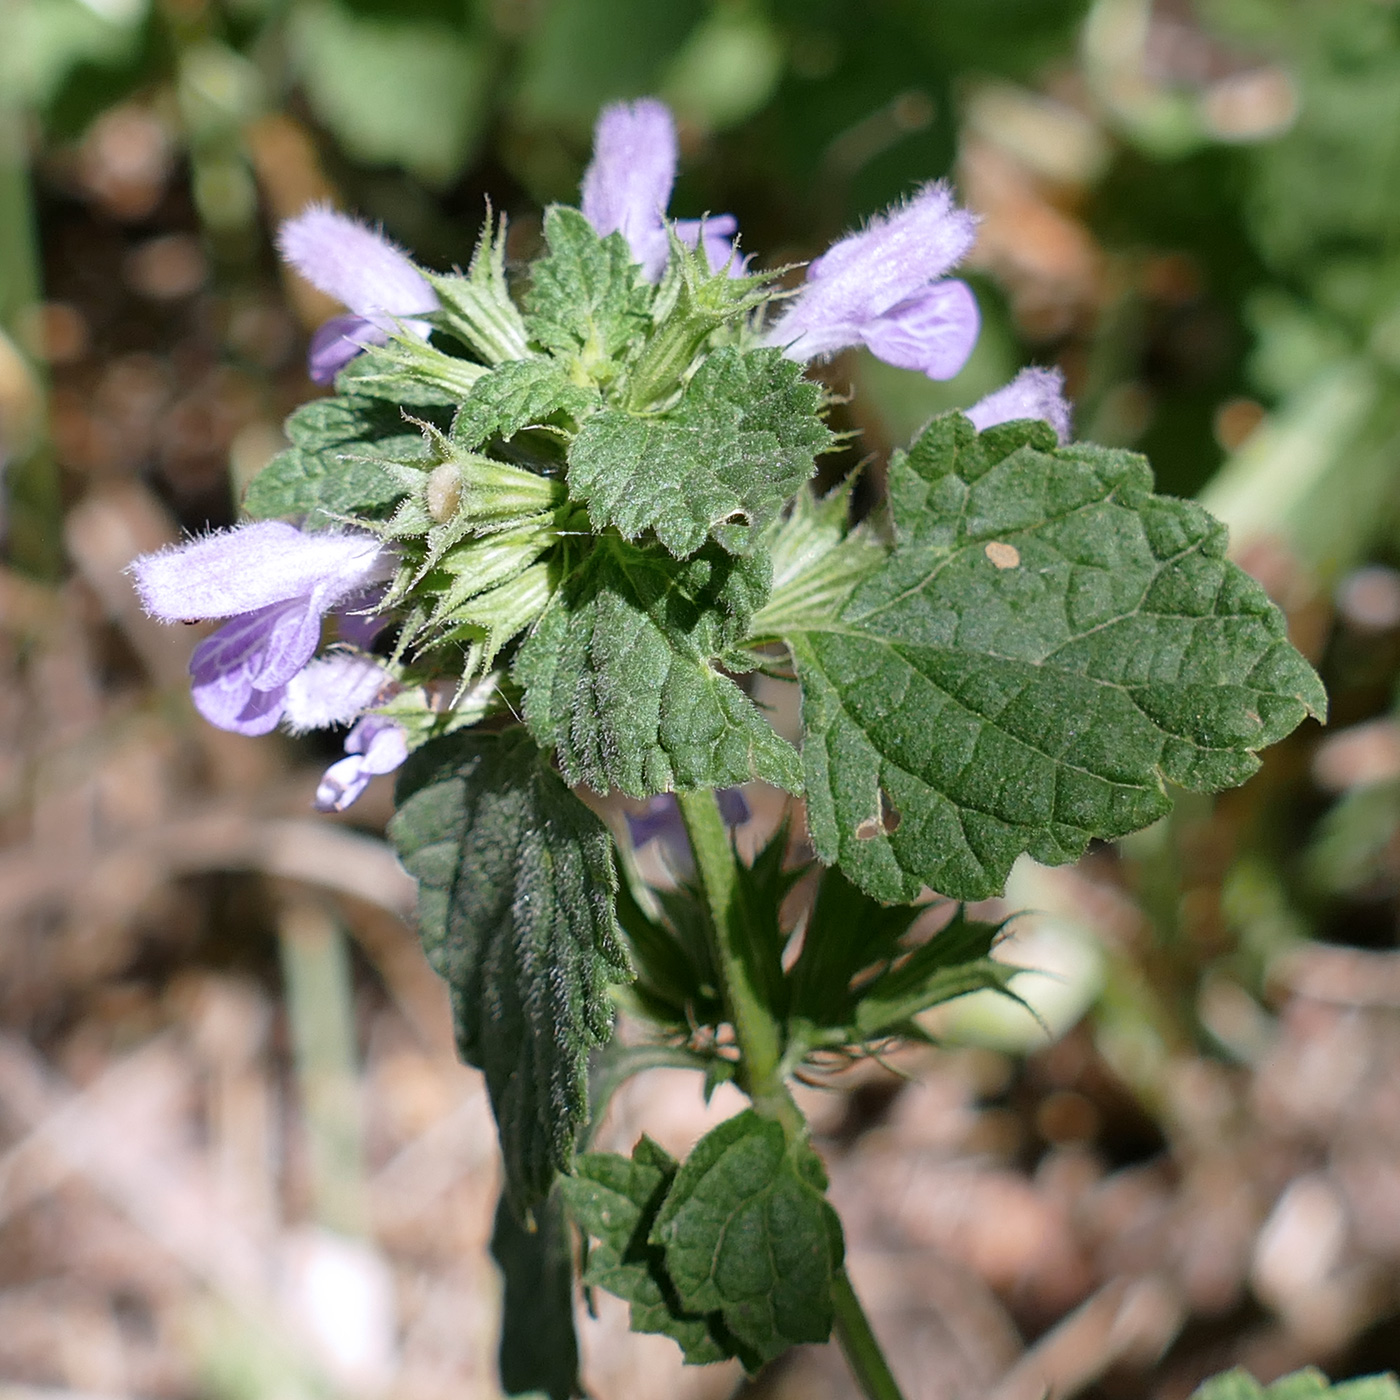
point(761, 1054)
point(863, 1354)
point(756, 1030)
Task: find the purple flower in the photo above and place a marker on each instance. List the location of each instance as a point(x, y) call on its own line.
point(375, 745)
point(1034, 393)
point(334, 689)
point(360, 267)
point(884, 288)
point(627, 188)
point(661, 821)
point(275, 583)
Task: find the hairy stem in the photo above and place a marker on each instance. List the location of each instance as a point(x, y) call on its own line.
point(757, 1031)
point(862, 1351)
point(761, 1054)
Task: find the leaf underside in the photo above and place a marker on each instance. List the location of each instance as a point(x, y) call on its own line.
point(515, 905)
point(1048, 645)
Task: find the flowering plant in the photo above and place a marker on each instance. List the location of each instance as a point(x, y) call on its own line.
point(556, 521)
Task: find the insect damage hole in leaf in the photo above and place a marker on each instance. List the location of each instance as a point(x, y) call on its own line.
point(886, 824)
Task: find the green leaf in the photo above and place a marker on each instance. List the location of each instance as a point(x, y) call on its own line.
point(587, 301)
point(741, 442)
point(618, 673)
point(615, 1200)
point(748, 1234)
point(515, 908)
point(516, 395)
point(329, 469)
point(539, 1350)
point(1047, 647)
point(1307, 1384)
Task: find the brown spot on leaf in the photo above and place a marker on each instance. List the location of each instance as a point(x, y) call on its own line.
point(1003, 555)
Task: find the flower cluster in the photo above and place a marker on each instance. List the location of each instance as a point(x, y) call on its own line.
point(487, 523)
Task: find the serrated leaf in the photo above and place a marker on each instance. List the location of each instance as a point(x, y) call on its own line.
point(516, 395)
point(539, 1349)
point(587, 301)
point(615, 1200)
point(329, 469)
point(515, 908)
point(619, 677)
point(1047, 647)
point(742, 440)
point(748, 1234)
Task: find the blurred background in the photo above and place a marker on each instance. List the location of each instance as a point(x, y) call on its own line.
point(237, 1157)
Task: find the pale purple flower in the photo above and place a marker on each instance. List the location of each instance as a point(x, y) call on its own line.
point(334, 689)
point(627, 188)
point(1034, 393)
point(275, 583)
point(661, 821)
point(358, 266)
point(884, 287)
point(375, 745)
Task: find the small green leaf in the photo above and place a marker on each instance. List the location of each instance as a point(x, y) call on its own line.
point(748, 1234)
point(539, 1350)
point(587, 301)
point(1047, 647)
point(478, 307)
point(1307, 1384)
point(619, 677)
point(741, 442)
point(329, 469)
point(516, 395)
point(615, 1200)
point(515, 908)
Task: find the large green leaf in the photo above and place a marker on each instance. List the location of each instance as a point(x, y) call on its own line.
point(742, 440)
point(587, 301)
point(748, 1234)
point(1048, 646)
point(517, 395)
point(515, 907)
point(330, 467)
point(618, 673)
point(615, 1200)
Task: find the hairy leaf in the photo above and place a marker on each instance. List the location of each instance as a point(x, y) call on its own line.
point(748, 1234)
point(619, 677)
point(742, 440)
point(539, 1350)
point(516, 395)
point(587, 301)
point(329, 469)
point(615, 1200)
point(515, 906)
point(1046, 648)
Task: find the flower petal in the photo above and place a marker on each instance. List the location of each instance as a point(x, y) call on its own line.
point(627, 185)
point(253, 566)
point(333, 689)
point(336, 342)
point(356, 265)
point(1034, 393)
point(375, 745)
point(934, 331)
point(228, 670)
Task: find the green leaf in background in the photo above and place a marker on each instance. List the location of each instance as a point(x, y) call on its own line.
point(539, 1351)
point(587, 300)
point(392, 91)
point(329, 468)
point(515, 906)
point(619, 676)
point(615, 1200)
point(1308, 1384)
point(748, 1234)
point(740, 443)
point(1048, 646)
point(516, 395)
